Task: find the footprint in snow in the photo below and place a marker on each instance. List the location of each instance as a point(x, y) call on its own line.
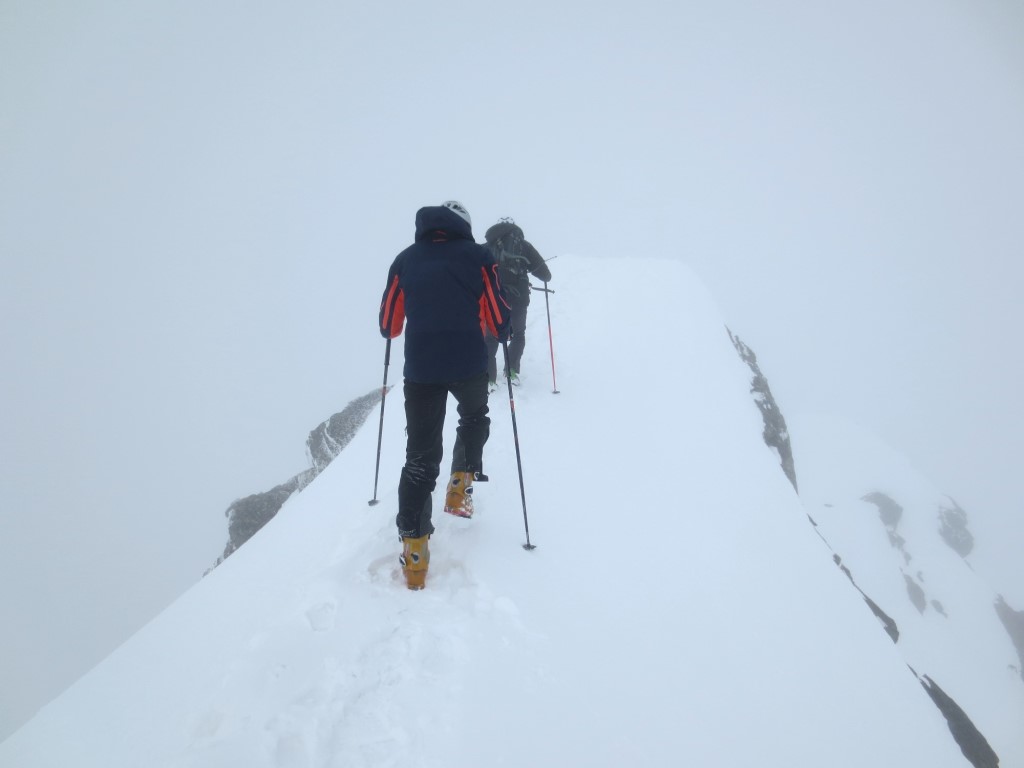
point(321, 616)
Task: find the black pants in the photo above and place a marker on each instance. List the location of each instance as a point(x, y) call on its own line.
point(515, 347)
point(425, 406)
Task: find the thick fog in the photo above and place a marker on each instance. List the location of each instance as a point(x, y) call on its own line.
point(199, 203)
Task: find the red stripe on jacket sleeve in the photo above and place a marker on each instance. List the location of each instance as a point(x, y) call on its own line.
point(392, 311)
point(486, 321)
point(490, 306)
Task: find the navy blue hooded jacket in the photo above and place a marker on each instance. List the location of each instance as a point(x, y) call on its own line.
point(447, 286)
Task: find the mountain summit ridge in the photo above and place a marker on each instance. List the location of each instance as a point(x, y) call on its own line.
point(678, 607)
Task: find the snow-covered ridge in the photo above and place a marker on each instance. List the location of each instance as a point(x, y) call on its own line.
point(678, 608)
point(908, 548)
point(967, 650)
point(250, 513)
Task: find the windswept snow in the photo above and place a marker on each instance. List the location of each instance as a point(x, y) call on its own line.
point(945, 612)
point(678, 609)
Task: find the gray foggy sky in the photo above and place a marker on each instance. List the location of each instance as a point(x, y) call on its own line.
point(199, 202)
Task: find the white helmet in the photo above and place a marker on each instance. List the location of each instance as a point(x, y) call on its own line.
point(458, 208)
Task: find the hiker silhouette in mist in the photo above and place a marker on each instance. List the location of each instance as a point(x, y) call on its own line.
point(446, 286)
point(517, 260)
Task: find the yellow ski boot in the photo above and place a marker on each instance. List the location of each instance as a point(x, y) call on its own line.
point(459, 499)
point(414, 559)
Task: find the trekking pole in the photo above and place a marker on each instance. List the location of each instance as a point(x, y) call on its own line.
point(380, 430)
point(551, 342)
point(519, 459)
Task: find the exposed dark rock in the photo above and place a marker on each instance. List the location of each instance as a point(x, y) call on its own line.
point(776, 434)
point(916, 594)
point(971, 741)
point(330, 437)
point(891, 514)
point(898, 542)
point(887, 621)
point(953, 528)
point(839, 561)
point(1014, 623)
point(938, 608)
point(246, 516)
point(888, 509)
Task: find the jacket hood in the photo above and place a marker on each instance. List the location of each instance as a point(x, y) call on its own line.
point(435, 218)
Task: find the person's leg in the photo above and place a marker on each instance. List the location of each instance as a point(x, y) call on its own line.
point(518, 343)
point(471, 435)
point(492, 351)
point(424, 417)
point(474, 424)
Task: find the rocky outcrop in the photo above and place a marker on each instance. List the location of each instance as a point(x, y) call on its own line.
point(776, 434)
point(330, 437)
point(247, 515)
point(887, 621)
point(951, 526)
point(1014, 623)
point(953, 529)
point(890, 512)
point(970, 740)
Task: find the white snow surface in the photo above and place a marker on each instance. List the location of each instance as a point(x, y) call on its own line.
point(679, 608)
point(956, 639)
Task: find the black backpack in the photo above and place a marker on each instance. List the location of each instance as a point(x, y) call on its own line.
point(505, 240)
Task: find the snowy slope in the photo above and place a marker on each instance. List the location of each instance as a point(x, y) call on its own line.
point(884, 520)
point(678, 609)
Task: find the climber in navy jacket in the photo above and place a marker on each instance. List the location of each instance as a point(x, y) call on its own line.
point(447, 287)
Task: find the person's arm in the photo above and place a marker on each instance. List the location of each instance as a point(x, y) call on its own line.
point(392, 305)
point(494, 306)
point(538, 267)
